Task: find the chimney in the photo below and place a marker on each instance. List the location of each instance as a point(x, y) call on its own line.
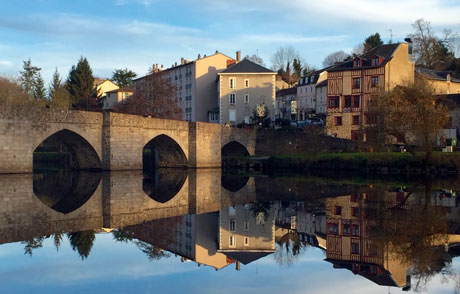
point(409, 41)
point(162, 66)
point(217, 51)
point(237, 266)
point(238, 56)
point(175, 64)
point(156, 67)
point(182, 61)
point(199, 56)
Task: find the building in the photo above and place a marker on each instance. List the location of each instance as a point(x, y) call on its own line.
point(351, 84)
point(102, 86)
point(242, 87)
point(442, 81)
point(114, 97)
point(312, 94)
point(195, 83)
point(286, 104)
point(280, 83)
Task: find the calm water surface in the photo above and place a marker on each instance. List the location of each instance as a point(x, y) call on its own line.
point(201, 231)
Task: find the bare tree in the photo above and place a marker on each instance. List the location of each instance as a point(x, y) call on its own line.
point(284, 56)
point(256, 59)
point(332, 58)
point(11, 92)
point(154, 96)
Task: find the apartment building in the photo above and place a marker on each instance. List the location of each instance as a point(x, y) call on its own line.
point(286, 104)
point(242, 87)
point(312, 94)
point(351, 84)
point(195, 83)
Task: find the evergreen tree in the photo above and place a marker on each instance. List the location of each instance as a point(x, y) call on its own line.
point(28, 77)
point(123, 77)
point(371, 42)
point(39, 90)
point(58, 94)
point(55, 85)
point(297, 70)
point(80, 83)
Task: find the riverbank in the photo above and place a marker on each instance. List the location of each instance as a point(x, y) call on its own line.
point(380, 163)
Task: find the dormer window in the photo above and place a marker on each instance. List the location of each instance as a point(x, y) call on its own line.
point(357, 62)
point(375, 61)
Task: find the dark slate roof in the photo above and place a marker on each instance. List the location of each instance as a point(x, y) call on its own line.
point(247, 66)
point(385, 51)
point(246, 257)
point(435, 75)
point(321, 84)
point(287, 91)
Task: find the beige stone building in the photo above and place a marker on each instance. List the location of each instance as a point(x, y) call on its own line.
point(114, 97)
point(241, 88)
point(195, 81)
point(102, 86)
point(442, 81)
point(351, 84)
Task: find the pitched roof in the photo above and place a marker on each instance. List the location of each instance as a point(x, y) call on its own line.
point(435, 75)
point(321, 84)
point(385, 51)
point(287, 91)
point(124, 89)
point(246, 66)
point(246, 257)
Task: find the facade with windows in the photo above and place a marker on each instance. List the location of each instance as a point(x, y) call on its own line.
point(351, 86)
point(115, 97)
point(311, 94)
point(286, 104)
point(243, 87)
point(195, 83)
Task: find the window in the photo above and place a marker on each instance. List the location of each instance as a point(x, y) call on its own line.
point(355, 248)
point(246, 226)
point(356, 83)
point(357, 63)
point(354, 211)
point(334, 101)
point(355, 230)
point(375, 61)
point(356, 100)
point(355, 136)
point(246, 83)
point(375, 81)
point(232, 225)
point(346, 229)
point(338, 210)
point(372, 250)
point(232, 115)
point(355, 120)
point(333, 229)
point(246, 98)
point(246, 119)
point(347, 101)
point(232, 99)
point(338, 120)
point(232, 83)
point(232, 242)
point(246, 241)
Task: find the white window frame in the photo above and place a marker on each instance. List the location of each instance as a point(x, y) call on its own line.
point(232, 241)
point(246, 98)
point(246, 83)
point(246, 241)
point(232, 225)
point(246, 226)
point(231, 83)
point(230, 98)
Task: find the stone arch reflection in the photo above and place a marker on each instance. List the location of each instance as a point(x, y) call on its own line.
point(163, 151)
point(66, 149)
point(163, 184)
point(234, 149)
point(64, 190)
point(234, 183)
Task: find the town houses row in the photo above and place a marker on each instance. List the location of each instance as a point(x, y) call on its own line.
point(225, 90)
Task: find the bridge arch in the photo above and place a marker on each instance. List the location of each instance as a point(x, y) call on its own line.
point(82, 153)
point(163, 151)
point(234, 148)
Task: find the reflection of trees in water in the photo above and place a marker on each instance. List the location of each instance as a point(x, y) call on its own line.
point(288, 249)
point(415, 232)
point(153, 252)
point(259, 208)
point(82, 242)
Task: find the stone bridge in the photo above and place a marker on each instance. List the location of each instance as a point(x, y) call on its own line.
point(114, 141)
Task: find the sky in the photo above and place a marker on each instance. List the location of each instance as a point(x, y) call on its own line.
point(117, 267)
point(135, 34)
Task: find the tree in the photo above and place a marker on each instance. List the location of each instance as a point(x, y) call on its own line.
point(409, 114)
point(82, 242)
point(429, 50)
point(154, 96)
point(11, 92)
point(39, 91)
point(371, 42)
point(261, 116)
point(297, 66)
point(80, 84)
point(28, 77)
point(123, 77)
point(331, 59)
point(256, 59)
point(58, 95)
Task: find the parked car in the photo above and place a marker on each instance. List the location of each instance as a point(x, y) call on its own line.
point(314, 121)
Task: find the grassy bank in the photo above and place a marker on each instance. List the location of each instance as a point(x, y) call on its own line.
point(373, 163)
